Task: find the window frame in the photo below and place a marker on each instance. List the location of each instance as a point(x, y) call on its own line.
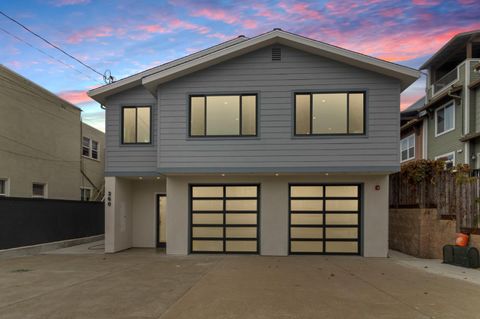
point(90, 149)
point(6, 185)
point(453, 153)
point(311, 93)
point(240, 95)
point(122, 141)
point(90, 189)
point(45, 190)
point(452, 103)
point(408, 148)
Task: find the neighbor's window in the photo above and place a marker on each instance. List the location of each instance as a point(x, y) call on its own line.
point(86, 146)
point(89, 148)
point(39, 190)
point(85, 194)
point(445, 119)
point(407, 148)
point(449, 159)
point(3, 187)
point(223, 115)
point(136, 125)
point(329, 113)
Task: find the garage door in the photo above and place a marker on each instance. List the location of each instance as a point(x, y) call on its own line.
point(324, 219)
point(224, 219)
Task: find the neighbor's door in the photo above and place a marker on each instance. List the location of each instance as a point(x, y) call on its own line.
point(161, 221)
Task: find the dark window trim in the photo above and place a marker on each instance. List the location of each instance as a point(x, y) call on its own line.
point(240, 135)
point(324, 226)
point(136, 125)
point(348, 92)
point(224, 198)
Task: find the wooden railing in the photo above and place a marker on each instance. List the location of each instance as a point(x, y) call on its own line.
point(452, 198)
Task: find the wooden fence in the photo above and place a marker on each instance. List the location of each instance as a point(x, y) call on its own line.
point(452, 199)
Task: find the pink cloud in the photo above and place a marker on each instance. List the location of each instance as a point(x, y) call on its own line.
point(75, 96)
point(61, 3)
point(301, 9)
point(427, 3)
point(91, 34)
point(216, 14)
point(250, 24)
point(391, 13)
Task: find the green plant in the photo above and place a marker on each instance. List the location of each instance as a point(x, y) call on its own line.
point(418, 171)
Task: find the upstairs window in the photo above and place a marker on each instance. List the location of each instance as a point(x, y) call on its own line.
point(223, 115)
point(136, 125)
point(39, 190)
point(89, 148)
point(448, 158)
point(445, 119)
point(330, 113)
point(407, 148)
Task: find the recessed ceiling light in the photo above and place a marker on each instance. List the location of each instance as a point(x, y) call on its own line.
point(326, 174)
point(276, 174)
point(140, 177)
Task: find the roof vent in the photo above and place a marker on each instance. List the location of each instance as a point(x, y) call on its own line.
point(276, 54)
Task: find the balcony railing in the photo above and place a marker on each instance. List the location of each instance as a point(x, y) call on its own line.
point(445, 81)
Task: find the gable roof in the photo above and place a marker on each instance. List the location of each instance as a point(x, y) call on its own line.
point(451, 46)
point(240, 46)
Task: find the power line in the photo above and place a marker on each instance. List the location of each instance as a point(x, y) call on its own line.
point(48, 55)
point(50, 43)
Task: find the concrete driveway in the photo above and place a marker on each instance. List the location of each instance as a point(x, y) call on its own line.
point(148, 284)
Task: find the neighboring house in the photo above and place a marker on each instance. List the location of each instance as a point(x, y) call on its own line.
point(41, 144)
point(451, 114)
point(276, 145)
point(412, 134)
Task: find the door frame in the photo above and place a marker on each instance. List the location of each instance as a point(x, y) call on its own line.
point(158, 244)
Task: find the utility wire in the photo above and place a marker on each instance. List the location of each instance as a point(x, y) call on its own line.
point(48, 55)
point(50, 43)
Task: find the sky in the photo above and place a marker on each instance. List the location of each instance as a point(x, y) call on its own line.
point(129, 36)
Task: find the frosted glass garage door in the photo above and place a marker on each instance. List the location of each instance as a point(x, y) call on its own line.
point(324, 219)
point(224, 219)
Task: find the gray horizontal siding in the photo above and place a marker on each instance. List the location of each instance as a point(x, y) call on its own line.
point(275, 147)
point(129, 158)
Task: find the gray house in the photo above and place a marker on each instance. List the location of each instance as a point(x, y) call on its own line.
point(275, 145)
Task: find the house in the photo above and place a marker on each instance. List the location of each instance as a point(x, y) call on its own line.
point(274, 145)
point(45, 149)
point(412, 135)
point(451, 114)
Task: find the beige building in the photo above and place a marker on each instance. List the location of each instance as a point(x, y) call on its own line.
point(45, 149)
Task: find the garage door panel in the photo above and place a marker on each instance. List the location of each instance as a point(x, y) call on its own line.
point(306, 232)
point(306, 219)
point(207, 232)
point(224, 218)
point(207, 219)
point(342, 205)
point(337, 232)
point(341, 247)
point(241, 246)
point(207, 205)
point(207, 245)
point(341, 219)
point(241, 232)
point(306, 205)
point(306, 246)
point(324, 219)
point(241, 205)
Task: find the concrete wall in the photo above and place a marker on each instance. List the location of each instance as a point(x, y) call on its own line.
point(420, 232)
point(39, 139)
point(274, 209)
point(94, 169)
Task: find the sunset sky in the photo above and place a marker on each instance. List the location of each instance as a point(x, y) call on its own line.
point(128, 36)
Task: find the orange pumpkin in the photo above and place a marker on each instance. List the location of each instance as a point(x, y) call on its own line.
point(462, 240)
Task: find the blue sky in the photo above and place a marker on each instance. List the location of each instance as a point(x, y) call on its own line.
point(129, 36)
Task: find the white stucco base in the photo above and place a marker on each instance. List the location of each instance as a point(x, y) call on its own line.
point(130, 220)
